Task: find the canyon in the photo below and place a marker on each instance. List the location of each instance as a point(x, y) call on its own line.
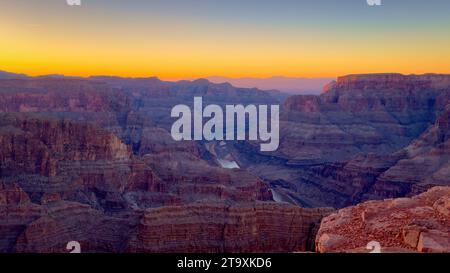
point(230, 124)
point(352, 143)
point(92, 160)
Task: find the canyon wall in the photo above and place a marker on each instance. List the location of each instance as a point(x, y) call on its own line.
point(365, 137)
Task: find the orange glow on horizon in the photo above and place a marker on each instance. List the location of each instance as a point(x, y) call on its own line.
point(152, 46)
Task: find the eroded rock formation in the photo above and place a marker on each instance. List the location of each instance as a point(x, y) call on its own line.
point(257, 227)
point(420, 223)
point(366, 137)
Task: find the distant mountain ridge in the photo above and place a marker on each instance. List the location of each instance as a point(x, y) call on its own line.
point(288, 85)
point(291, 85)
point(7, 75)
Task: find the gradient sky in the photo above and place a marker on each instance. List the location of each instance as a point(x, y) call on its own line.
point(233, 38)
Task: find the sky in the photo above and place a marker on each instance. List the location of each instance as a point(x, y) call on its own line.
point(174, 39)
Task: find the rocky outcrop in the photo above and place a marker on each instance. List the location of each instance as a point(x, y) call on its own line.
point(420, 223)
point(12, 195)
point(361, 114)
point(207, 226)
point(16, 211)
point(366, 137)
point(389, 81)
point(424, 162)
point(194, 179)
point(53, 160)
point(28, 138)
point(201, 227)
point(260, 227)
point(421, 165)
point(59, 95)
point(63, 222)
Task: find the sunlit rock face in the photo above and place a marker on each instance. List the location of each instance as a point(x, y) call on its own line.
point(418, 224)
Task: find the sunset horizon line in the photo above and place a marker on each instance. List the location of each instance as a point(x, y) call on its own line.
point(192, 78)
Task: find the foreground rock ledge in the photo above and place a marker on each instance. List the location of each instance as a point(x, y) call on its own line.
point(198, 227)
point(257, 227)
point(418, 224)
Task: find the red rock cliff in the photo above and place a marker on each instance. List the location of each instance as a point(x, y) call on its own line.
point(421, 223)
